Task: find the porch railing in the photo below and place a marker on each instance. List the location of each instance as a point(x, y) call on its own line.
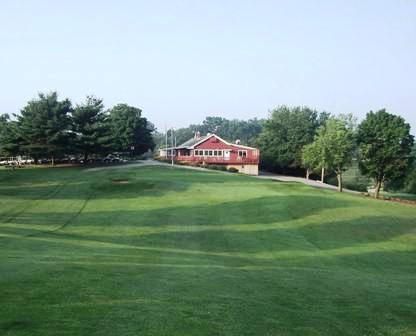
point(219, 160)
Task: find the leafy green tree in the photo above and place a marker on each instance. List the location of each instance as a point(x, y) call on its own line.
point(213, 125)
point(182, 134)
point(311, 158)
point(91, 127)
point(332, 148)
point(284, 135)
point(407, 182)
point(129, 130)
point(159, 139)
point(245, 131)
point(410, 177)
point(44, 126)
point(385, 146)
point(410, 181)
point(336, 140)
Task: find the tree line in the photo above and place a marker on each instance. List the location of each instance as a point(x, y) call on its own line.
point(300, 140)
point(247, 131)
point(292, 140)
point(296, 138)
point(53, 128)
point(381, 143)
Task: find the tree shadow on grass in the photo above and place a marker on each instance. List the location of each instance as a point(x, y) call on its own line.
point(108, 188)
point(356, 231)
point(261, 225)
point(112, 184)
point(363, 235)
point(230, 226)
point(270, 223)
point(255, 211)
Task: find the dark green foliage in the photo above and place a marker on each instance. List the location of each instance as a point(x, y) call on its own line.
point(284, 135)
point(352, 179)
point(49, 127)
point(10, 139)
point(217, 167)
point(385, 146)
point(246, 131)
point(130, 131)
point(410, 185)
point(406, 183)
point(91, 127)
point(232, 130)
point(233, 170)
point(181, 134)
point(44, 125)
point(357, 185)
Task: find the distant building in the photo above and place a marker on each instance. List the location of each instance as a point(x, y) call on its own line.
point(211, 149)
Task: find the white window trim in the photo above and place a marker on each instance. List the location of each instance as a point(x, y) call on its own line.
point(241, 151)
point(205, 152)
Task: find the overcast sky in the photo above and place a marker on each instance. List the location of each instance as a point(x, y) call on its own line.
point(183, 60)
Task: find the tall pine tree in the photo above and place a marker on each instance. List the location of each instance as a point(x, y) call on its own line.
point(44, 126)
point(91, 127)
point(9, 136)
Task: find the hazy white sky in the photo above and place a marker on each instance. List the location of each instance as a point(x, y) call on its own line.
point(183, 60)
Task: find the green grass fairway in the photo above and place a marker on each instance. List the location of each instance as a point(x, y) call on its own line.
point(162, 251)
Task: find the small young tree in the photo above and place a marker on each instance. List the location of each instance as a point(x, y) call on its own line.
point(385, 146)
point(332, 147)
point(91, 127)
point(311, 158)
point(338, 139)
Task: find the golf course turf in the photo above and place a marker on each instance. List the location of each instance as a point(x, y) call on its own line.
point(165, 251)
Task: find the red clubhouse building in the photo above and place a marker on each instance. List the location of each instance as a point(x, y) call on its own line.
point(211, 149)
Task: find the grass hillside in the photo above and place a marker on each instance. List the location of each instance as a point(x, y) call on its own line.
point(162, 251)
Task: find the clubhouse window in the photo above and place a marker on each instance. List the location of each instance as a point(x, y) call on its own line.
point(212, 152)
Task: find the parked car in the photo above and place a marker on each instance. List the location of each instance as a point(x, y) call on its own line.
point(26, 160)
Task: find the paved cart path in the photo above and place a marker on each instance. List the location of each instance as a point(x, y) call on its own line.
point(312, 183)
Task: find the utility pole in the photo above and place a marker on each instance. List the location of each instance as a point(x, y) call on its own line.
point(166, 142)
point(172, 149)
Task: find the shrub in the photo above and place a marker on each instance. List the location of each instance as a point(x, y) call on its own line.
point(163, 159)
point(411, 182)
point(356, 185)
point(233, 170)
point(216, 167)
